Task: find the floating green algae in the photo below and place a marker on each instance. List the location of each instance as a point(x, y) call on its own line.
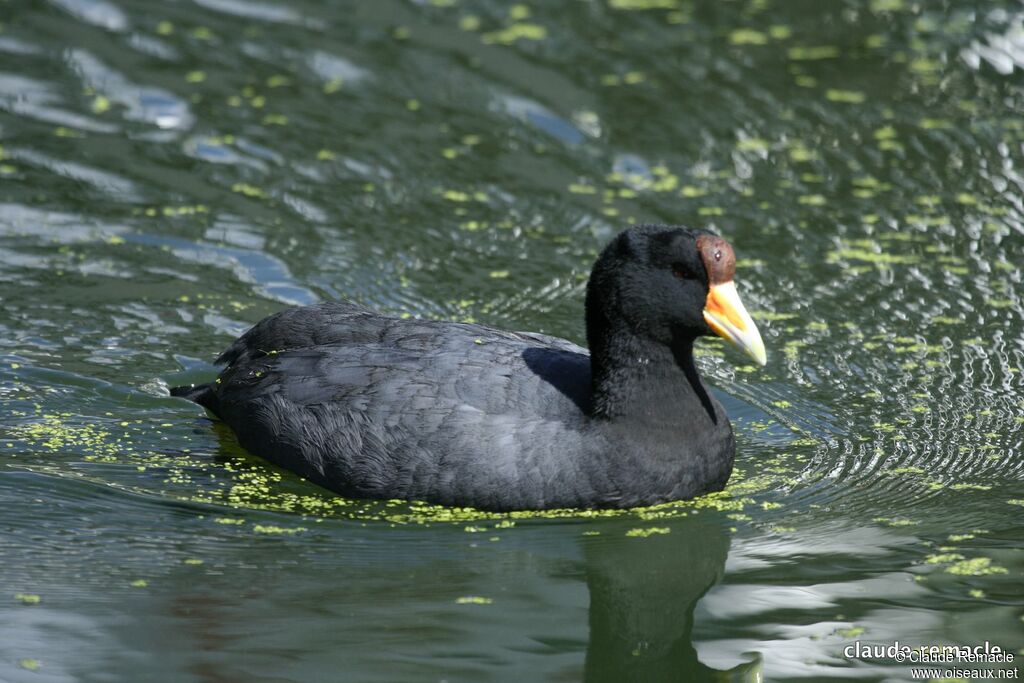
point(241, 482)
point(459, 196)
point(845, 96)
point(812, 200)
point(27, 598)
point(100, 104)
point(801, 53)
point(979, 566)
point(628, 78)
point(647, 532)
point(473, 600)
point(249, 190)
point(53, 432)
point(752, 145)
point(850, 632)
point(895, 521)
point(908, 469)
point(272, 529)
point(944, 558)
point(970, 487)
point(229, 520)
point(876, 257)
point(262, 492)
point(747, 36)
point(516, 32)
point(887, 5)
point(582, 188)
point(643, 4)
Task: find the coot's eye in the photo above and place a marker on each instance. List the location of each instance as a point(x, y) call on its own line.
point(680, 271)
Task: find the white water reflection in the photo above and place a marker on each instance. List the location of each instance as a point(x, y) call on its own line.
point(99, 13)
point(142, 103)
point(1004, 52)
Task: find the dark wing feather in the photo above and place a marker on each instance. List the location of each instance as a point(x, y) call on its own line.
point(335, 322)
point(449, 412)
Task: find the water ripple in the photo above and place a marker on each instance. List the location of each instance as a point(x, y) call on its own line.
point(142, 103)
point(99, 13)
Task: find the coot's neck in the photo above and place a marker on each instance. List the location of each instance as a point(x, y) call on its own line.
point(638, 380)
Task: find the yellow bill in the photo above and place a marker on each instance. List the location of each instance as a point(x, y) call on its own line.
point(727, 317)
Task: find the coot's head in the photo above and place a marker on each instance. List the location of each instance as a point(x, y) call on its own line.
point(668, 285)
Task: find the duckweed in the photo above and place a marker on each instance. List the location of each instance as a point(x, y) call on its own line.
point(646, 532)
point(473, 600)
point(979, 566)
point(272, 529)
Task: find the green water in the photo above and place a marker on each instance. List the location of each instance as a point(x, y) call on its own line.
point(172, 172)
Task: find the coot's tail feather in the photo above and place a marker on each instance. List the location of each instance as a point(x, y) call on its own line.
point(202, 394)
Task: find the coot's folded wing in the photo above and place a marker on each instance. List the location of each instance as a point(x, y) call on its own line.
point(331, 322)
point(445, 411)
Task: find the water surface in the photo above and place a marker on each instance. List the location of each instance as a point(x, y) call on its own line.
point(172, 172)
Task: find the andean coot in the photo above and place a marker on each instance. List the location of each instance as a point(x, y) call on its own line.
point(376, 406)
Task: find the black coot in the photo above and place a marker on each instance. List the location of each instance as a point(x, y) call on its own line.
point(374, 406)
